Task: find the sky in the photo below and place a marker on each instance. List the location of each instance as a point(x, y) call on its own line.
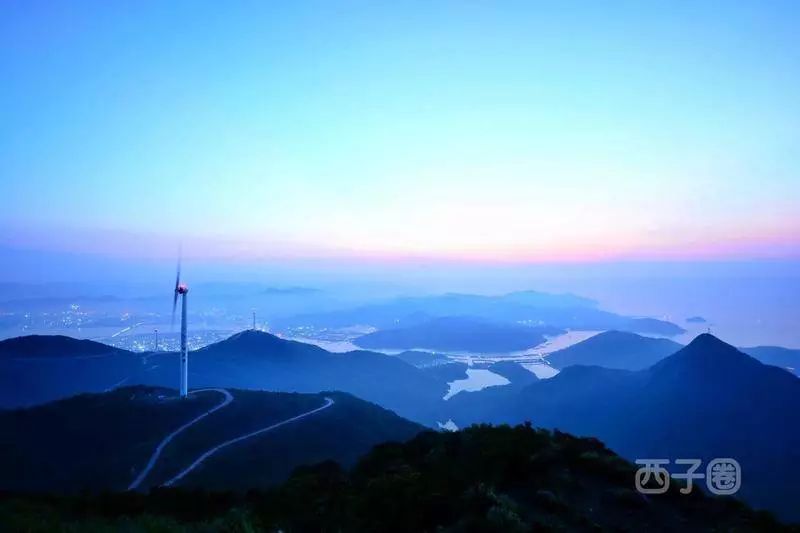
point(509, 132)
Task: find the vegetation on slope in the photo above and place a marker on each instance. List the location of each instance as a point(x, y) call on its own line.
point(484, 478)
point(102, 441)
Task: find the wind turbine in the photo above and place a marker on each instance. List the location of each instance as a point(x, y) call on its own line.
point(181, 289)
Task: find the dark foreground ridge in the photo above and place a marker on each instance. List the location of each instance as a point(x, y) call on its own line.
point(503, 479)
point(104, 442)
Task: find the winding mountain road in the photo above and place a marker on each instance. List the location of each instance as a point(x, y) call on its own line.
point(215, 449)
point(153, 458)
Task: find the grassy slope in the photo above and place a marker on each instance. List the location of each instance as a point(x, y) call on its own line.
point(101, 441)
point(344, 432)
point(90, 441)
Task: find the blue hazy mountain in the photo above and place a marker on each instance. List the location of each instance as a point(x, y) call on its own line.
point(707, 400)
point(447, 372)
point(554, 310)
point(102, 441)
point(41, 368)
point(465, 334)
point(32, 346)
point(776, 356)
point(628, 351)
point(423, 359)
point(257, 360)
point(248, 360)
point(615, 349)
point(435, 364)
point(516, 374)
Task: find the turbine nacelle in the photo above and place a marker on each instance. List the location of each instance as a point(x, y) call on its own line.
point(182, 288)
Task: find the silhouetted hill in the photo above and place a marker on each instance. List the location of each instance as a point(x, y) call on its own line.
point(54, 346)
point(776, 356)
point(440, 366)
point(447, 372)
point(482, 479)
point(250, 359)
point(518, 375)
point(561, 311)
point(103, 441)
point(40, 368)
point(258, 360)
point(250, 342)
point(423, 359)
point(707, 400)
point(615, 349)
point(458, 334)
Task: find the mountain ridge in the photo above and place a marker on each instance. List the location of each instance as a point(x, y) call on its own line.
point(707, 400)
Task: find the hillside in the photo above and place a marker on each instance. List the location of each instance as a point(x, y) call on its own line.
point(460, 334)
point(499, 479)
point(615, 349)
point(103, 441)
point(42, 368)
point(423, 359)
point(257, 360)
point(247, 360)
point(774, 355)
point(31, 346)
point(707, 400)
point(518, 375)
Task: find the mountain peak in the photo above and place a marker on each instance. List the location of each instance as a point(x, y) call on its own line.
point(253, 342)
point(250, 338)
point(708, 354)
point(253, 335)
point(707, 341)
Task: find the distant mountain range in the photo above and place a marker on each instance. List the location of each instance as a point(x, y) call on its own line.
point(706, 400)
point(562, 311)
point(250, 359)
point(103, 441)
point(458, 334)
point(628, 351)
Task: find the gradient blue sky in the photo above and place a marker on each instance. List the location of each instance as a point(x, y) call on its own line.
point(511, 131)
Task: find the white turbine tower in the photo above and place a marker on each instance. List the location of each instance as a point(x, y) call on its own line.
point(181, 289)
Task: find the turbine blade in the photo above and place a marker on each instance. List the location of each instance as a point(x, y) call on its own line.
point(174, 306)
point(175, 292)
point(178, 275)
